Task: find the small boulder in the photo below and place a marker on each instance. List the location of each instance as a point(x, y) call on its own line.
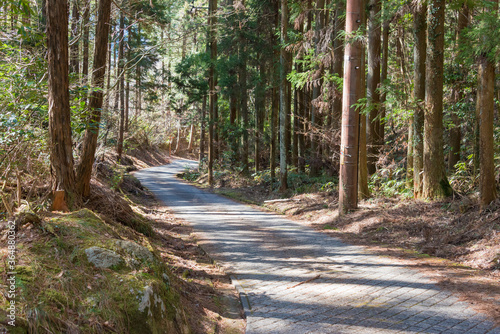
point(103, 258)
point(135, 250)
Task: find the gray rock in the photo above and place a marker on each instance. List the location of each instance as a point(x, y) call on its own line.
point(103, 258)
point(135, 250)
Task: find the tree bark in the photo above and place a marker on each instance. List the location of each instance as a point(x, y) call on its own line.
point(61, 154)
point(419, 58)
point(284, 105)
point(121, 86)
point(75, 47)
point(435, 184)
point(202, 129)
point(457, 96)
point(373, 85)
point(352, 90)
point(84, 170)
point(363, 191)
point(315, 123)
point(485, 106)
point(212, 23)
point(86, 37)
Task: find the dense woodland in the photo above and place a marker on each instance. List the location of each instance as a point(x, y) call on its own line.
point(377, 98)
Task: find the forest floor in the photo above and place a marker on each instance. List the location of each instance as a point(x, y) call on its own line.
point(449, 240)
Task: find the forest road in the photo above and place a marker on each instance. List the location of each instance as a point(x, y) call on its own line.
point(295, 280)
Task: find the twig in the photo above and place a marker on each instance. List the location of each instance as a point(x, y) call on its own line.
point(281, 200)
point(306, 281)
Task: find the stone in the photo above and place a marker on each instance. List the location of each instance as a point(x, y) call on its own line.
point(103, 258)
point(135, 250)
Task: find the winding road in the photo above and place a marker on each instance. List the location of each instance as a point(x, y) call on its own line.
point(295, 280)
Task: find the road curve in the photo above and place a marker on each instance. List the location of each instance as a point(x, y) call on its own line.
point(295, 280)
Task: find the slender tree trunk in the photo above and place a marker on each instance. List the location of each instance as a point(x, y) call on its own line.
point(457, 95)
point(121, 78)
point(138, 97)
point(315, 156)
point(244, 102)
point(419, 54)
point(84, 170)
point(86, 37)
point(202, 129)
point(373, 85)
point(338, 54)
point(383, 77)
point(348, 181)
point(61, 154)
point(275, 99)
point(212, 23)
point(260, 103)
point(284, 106)
point(485, 108)
point(435, 184)
point(363, 191)
point(75, 47)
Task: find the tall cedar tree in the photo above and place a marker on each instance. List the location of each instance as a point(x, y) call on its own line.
point(435, 184)
point(61, 154)
point(284, 101)
point(84, 169)
point(352, 90)
point(212, 101)
point(419, 57)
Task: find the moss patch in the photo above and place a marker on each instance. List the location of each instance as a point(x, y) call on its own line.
point(59, 290)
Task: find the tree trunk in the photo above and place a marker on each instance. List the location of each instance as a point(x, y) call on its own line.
point(212, 23)
point(244, 102)
point(275, 104)
point(485, 108)
point(75, 47)
point(363, 191)
point(457, 95)
point(138, 97)
point(373, 83)
point(121, 86)
point(202, 129)
point(316, 91)
point(419, 58)
point(84, 170)
point(383, 78)
point(86, 37)
point(435, 184)
point(352, 90)
point(61, 154)
point(284, 106)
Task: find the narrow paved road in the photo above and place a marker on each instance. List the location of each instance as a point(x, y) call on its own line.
point(295, 280)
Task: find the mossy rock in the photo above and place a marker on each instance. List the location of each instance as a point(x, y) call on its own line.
point(61, 290)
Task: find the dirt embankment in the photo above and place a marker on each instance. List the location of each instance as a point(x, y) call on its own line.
point(123, 264)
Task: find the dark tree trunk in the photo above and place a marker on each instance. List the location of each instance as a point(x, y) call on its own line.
point(121, 86)
point(284, 102)
point(435, 184)
point(212, 22)
point(348, 181)
point(86, 37)
point(373, 83)
point(75, 47)
point(419, 54)
point(457, 95)
point(61, 154)
point(84, 170)
point(202, 129)
point(316, 91)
